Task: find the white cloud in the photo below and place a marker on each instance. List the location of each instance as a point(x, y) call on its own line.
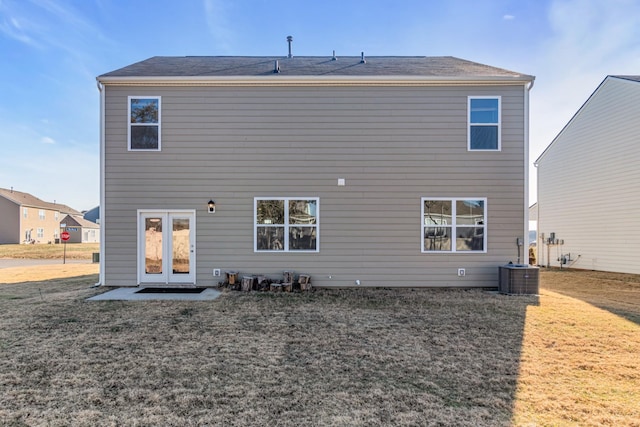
point(47, 140)
point(508, 17)
point(216, 14)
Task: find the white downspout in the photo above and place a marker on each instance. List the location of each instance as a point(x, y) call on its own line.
point(101, 281)
point(525, 248)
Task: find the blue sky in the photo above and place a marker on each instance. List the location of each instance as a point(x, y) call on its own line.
point(52, 50)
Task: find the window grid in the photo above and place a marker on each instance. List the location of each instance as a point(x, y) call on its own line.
point(144, 123)
point(279, 226)
point(447, 227)
point(483, 124)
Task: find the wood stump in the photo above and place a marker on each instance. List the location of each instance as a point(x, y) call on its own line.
point(305, 282)
point(288, 277)
point(248, 283)
point(231, 276)
point(275, 287)
point(287, 287)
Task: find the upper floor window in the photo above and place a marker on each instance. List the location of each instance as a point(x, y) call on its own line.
point(454, 225)
point(24, 212)
point(56, 215)
point(144, 123)
point(41, 214)
point(484, 123)
point(286, 224)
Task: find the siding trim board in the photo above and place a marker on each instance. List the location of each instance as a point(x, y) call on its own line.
point(304, 82)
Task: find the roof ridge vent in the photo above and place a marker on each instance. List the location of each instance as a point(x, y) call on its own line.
point(289, 40)
point(276, 67)
point(362, 60)
point(334, 58)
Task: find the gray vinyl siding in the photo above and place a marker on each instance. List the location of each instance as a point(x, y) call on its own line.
point(589, 183)
point(392, 145)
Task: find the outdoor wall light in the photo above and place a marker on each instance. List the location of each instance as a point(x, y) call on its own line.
point(212, 206)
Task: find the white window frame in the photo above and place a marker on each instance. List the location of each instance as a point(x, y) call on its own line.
point(159, 124)
point(286, 225)
point(40, 233)
point(499, 123)
point(41, 214)
point(453, 225)
point(25, 213)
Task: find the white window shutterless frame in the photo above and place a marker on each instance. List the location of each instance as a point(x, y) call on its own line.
point(484, 122)
point(166, 246)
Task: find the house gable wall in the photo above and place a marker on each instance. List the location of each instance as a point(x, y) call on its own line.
point(588, 181)
point(9, 222)
point(391, 145)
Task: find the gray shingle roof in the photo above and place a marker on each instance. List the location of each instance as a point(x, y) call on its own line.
point(26, 199)
point(253, 66)
point(78, 222)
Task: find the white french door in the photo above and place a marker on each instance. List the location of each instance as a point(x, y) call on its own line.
point(166, 247)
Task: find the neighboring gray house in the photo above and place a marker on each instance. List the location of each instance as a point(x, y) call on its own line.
point(80, 230)
point(589, 183)
point(379, 171)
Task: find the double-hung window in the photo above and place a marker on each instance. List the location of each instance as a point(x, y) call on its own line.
point(286, 224)
point(454, 224)
point(484, 123)
point(144, 123)
point(41, 214)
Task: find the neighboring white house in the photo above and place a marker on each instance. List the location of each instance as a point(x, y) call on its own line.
point(589, 183)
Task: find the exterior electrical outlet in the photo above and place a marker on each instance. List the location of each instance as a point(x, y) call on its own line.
point(216, 272)
point(461, 272)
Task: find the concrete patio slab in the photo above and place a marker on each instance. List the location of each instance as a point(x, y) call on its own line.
point(130, 294)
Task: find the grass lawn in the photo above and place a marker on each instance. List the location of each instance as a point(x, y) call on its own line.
point(360, 357)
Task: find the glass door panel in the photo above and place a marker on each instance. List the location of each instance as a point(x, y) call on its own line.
point(153, 246)
point(181, 246)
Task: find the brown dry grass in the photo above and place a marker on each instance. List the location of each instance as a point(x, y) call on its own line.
point(39, 273)
point(73, 251)
point(332, 357)
point(581, 352)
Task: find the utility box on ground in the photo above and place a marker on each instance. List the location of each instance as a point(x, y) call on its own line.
point(518, 279)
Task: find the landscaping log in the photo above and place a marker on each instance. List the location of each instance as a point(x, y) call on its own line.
point(275, 287)
point(288, 277)
point(231, 276)
point(248, 283)
point(305, 282)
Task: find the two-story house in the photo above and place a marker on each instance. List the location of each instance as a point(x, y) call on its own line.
point(27, 219)
point(378, 171)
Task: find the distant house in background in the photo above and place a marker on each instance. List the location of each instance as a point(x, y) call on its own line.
point(26, 219)
point(589, 184)
point(81, 230)
point(93, 215)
